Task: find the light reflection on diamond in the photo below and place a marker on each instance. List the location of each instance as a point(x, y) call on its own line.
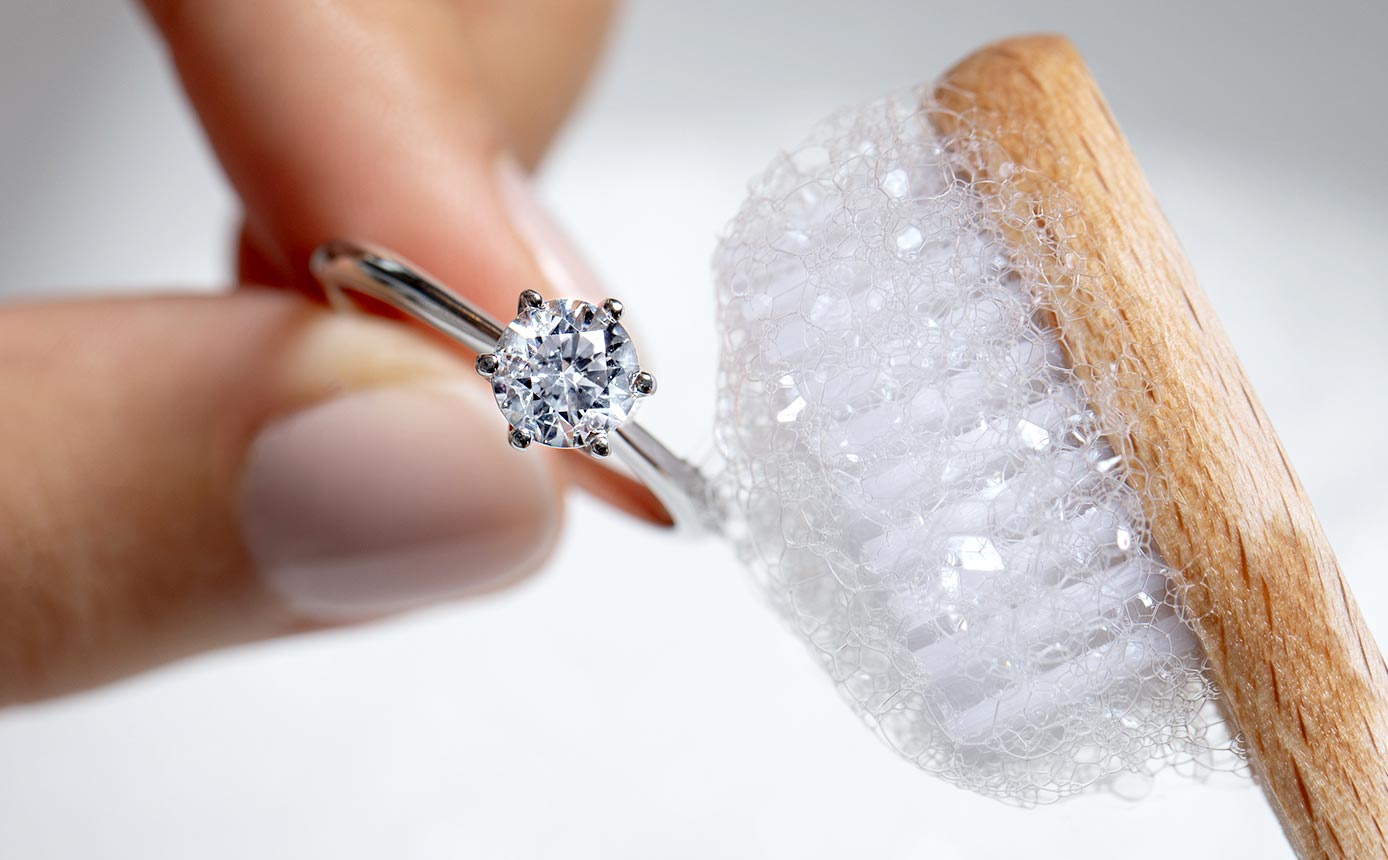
point(566, 373)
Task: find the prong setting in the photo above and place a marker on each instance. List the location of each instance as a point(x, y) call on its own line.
point(599, 446)
point(565, 374)
point(561, 371)
point(488, 364)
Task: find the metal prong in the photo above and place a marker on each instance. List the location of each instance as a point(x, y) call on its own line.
point(613, 308)
point(487, 364)
point(599, 447)
point(643, 383)
point(529, 299)
point(344, 267)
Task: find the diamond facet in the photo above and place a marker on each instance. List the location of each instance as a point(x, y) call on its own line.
point(566, 373)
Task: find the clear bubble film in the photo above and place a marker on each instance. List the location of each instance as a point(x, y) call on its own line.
point(932, 494)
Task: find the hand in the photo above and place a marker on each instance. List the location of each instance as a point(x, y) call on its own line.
point(187, 473)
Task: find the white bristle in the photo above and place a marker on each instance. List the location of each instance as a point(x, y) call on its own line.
point(923, 482)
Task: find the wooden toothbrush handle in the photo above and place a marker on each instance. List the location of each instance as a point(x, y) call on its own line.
point(1299, 671)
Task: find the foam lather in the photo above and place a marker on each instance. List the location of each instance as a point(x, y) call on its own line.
point(914, 471)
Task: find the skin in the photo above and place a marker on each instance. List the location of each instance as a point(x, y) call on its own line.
point(120, 549)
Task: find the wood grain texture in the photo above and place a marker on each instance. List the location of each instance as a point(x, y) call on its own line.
point(1300, 672)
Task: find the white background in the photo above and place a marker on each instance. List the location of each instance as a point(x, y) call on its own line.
point(653, 707)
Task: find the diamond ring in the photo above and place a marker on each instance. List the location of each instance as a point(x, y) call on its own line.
point(564, 372)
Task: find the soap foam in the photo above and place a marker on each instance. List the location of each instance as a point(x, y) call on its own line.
point(927, 489)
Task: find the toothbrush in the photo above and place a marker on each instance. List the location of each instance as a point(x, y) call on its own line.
point(994, 456)
point(1300, 673)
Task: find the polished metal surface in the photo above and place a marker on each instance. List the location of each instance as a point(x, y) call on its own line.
point(344, 267)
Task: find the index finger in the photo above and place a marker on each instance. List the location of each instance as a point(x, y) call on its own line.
point(392, 123)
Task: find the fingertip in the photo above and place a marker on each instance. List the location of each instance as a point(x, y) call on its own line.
point(390, 499)
point(620, 491)
point(191, 473)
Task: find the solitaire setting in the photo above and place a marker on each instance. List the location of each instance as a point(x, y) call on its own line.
point(565, 373)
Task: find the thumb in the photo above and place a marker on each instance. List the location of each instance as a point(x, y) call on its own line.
point(188, 473)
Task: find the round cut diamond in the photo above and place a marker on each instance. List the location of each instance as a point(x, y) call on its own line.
point(566, 373)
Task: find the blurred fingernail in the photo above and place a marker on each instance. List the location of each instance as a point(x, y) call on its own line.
point(563, 267)
point(392, 498)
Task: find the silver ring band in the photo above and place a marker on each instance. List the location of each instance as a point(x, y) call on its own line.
point(344, 267)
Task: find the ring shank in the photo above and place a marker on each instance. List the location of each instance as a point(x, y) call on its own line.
point(344, 267)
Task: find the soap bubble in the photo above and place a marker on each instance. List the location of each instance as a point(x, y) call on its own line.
point(925, 487)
